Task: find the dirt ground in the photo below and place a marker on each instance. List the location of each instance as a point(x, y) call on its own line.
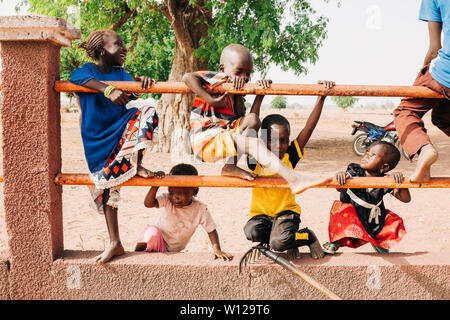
point(328, 151)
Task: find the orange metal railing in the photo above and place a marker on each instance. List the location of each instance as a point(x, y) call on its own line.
point(260, 182)
point(275, 89)
point(252, 88)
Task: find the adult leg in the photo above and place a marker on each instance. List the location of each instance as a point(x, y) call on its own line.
point(258, 228)
point(440, 116)
point(411, 130)
point(115, 246)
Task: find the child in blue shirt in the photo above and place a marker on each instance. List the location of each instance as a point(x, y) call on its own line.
point(435, 74)
point(113, 135)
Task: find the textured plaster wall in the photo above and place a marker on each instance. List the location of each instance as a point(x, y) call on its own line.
point(31, 159)
point(4, 278)
point(196, 276)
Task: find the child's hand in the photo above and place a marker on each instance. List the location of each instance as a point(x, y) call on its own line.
point(265, 83)
point(119, 97)
point(342, 177)
point(238, 82)
point(220, 101)
point(327, 84)
point(219, 254)
point(146, 82)
point(397, 176)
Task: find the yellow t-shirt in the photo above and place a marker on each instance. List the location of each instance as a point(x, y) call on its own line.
point(271, 201)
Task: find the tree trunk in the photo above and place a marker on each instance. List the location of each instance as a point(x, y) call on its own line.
point(174, 109)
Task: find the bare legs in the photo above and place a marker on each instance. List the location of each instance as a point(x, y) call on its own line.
point(253, 146)
point(249, 127)
point(428, 155)
point(115, 246)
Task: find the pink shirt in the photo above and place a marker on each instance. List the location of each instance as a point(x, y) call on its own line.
point(177, 225)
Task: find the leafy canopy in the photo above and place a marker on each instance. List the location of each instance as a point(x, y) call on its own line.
point(285, 33)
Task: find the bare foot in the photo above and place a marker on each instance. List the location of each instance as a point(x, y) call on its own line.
point(140, 246)
point(428, 155)
point(231, 170)
point(115, 249)
point(316, 250)
point(143, 172)
point(293, 253)
point(303, 182)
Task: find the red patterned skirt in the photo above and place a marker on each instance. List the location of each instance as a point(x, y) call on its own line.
point(345, 227)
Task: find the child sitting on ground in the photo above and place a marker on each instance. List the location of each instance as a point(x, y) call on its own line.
point(219, 127)
point(274, 213)
point(181, 217)
point(360, 217)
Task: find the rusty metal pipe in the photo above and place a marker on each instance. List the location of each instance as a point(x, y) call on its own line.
point(260, 182)
point(275, 89)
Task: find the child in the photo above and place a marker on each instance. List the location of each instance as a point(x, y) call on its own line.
point(360, 216)
point(435, 74)
point(219, 127)
point(274, 213)
point(113, 136)
point(181, 217)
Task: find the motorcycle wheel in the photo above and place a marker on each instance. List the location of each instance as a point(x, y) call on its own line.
point(358, 148)
point(402, 151)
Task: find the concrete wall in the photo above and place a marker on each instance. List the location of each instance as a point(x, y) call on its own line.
point(4, 275)
point(196, 276)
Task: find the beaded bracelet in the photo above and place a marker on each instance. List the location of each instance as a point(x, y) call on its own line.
point(108, 91)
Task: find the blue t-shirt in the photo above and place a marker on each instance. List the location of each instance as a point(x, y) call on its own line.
point(102, 122)
point(439, 10)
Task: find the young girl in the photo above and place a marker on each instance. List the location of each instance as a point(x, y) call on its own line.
point(181, 217)
point(360, 216)
point(113, 136)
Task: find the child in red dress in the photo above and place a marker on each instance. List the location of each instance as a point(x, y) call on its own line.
point(360, 216)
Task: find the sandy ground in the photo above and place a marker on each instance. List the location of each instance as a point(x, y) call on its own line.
point(329, 150)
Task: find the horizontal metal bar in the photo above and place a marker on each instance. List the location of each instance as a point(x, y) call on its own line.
point(274, 89)
point(260, 182)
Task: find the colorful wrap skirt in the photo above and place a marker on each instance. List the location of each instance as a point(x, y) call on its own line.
point(140, 133)
point(346, 228)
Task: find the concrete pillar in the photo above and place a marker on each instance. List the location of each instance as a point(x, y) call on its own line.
point(30, 116)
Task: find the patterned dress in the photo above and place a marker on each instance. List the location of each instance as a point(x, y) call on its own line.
point(112, 135)
point(360, 217)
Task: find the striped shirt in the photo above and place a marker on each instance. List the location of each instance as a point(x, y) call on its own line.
point(206, 121)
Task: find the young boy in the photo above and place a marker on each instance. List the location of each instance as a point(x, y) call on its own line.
point(274, 213)
point(219, 127)
point(435, 74)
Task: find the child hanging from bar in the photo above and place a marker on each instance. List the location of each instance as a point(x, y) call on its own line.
point(181, 216)
point(274, 213)
point(113, 135)
point(360, 216)
point(220, 129)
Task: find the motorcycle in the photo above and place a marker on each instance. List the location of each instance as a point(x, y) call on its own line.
point(372, 133)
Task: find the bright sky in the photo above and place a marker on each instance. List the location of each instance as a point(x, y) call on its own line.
point(369, 42)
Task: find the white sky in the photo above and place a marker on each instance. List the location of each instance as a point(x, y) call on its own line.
point(369, 42)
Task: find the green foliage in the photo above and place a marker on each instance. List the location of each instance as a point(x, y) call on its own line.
point(344, 102)
point(147, 33)
point(279, 102)
point(262, 26)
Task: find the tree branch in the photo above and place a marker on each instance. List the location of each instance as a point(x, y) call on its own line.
point(126, 16)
